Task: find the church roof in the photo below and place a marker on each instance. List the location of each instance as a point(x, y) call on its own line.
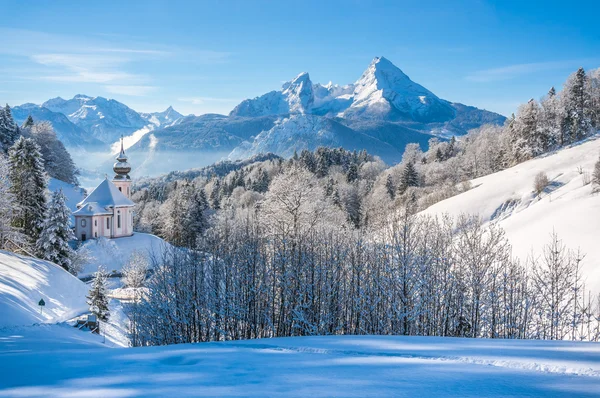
point(105, 195)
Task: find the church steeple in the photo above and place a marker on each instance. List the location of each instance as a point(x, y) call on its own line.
point(122, 167)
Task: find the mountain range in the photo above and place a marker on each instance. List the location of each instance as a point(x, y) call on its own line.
point(381, 112)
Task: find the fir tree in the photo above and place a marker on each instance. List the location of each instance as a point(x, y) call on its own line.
point(97, 297)
point(576, 104)
point(352, 174)
point(53, 243)
point(9, 131)
point(389, 186)
point(215, 195)
point(194, 221)
point(28, 122)
point(408, 178)
point(28, 186)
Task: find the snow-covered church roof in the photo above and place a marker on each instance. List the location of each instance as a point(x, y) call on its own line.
point(105, 195)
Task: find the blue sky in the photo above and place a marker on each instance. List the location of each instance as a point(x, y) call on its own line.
point(205, 57)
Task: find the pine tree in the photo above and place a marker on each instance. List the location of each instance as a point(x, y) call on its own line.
point(97, 297)
point(389, 186)
point(28, 122)
point(352, 174)
point(28, 186)
point(577, 106)
point(194, 221)
point(215, 195)
point(9, 131)
point(550, 120)
point(53, 243)
point(408, 178)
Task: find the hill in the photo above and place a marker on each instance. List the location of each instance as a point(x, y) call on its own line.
point(25, 280)
point(566, 206)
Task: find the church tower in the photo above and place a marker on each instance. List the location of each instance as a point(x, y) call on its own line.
point(122, 169)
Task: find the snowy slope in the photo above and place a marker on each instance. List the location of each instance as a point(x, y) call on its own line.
point(25, 280)
point(567, 206)
point(342, 366)
point(114, 253)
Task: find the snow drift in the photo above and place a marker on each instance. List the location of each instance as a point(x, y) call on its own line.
point(24, 281)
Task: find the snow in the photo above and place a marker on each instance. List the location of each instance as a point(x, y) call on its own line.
point(25, 280)
point(115, 253)
point(567, 206)
point(61, 361)
point(106, 194)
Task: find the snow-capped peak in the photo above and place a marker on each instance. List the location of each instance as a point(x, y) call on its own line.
point(385, 91)
point(298, 93)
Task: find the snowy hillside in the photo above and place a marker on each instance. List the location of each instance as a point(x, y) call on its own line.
point(567, 206)
point(344, 366)
point(114, 253)
point(25, 280)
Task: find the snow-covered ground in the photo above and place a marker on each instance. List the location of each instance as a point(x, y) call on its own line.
point(61, 361)
point(24, 281)
point(115, 253)
point(567, 206)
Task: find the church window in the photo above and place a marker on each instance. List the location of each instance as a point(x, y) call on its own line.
point(83, 223)
point(95, 223)
point(118, 221)
point(107, 222)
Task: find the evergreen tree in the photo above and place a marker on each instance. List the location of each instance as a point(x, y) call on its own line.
point(215, 195)
point(352, 174)
point(194, 221)
point(550, 120)
point(28, 186)
point(577, 106)
point(53, 243)
point(28, 122)
point(389, 186)
point(97, 297)
point(9, 131)
point(408, 178)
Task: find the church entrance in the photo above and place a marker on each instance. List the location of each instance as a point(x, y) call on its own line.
point(83, 237)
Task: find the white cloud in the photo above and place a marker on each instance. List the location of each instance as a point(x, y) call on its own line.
point(512, 71)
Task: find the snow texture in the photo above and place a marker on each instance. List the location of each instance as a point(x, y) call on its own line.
point(25, 280)
point(115, 253)
point(105, 195)
point(61, 361)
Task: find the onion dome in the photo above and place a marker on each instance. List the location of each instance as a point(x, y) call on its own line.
point(122, 167)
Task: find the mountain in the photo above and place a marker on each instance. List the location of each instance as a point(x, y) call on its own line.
point(381, 112)
point(105, 119)
point(166, 118)
point(69, 133)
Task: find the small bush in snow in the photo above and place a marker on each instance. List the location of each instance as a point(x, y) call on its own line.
point(135, 271)
point(596, 177)
point(540, 182)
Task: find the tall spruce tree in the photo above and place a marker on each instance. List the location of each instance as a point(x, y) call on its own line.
point(408, 178)
point(577, 106)
point(97, 297)
point(9, 131)
point(28, 187)
point(53, 243)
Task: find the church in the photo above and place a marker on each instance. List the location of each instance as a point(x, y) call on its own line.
point(108, 210)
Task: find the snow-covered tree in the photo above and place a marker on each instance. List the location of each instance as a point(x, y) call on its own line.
point(28, 187)
point(576, 103)
point(408, 178)
point(136, 270)
point(97, 296)
point(528, 139)
point(9, 236)
point(57, 160)
point(9, 131)
point(550, 119)
point(53, 242)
